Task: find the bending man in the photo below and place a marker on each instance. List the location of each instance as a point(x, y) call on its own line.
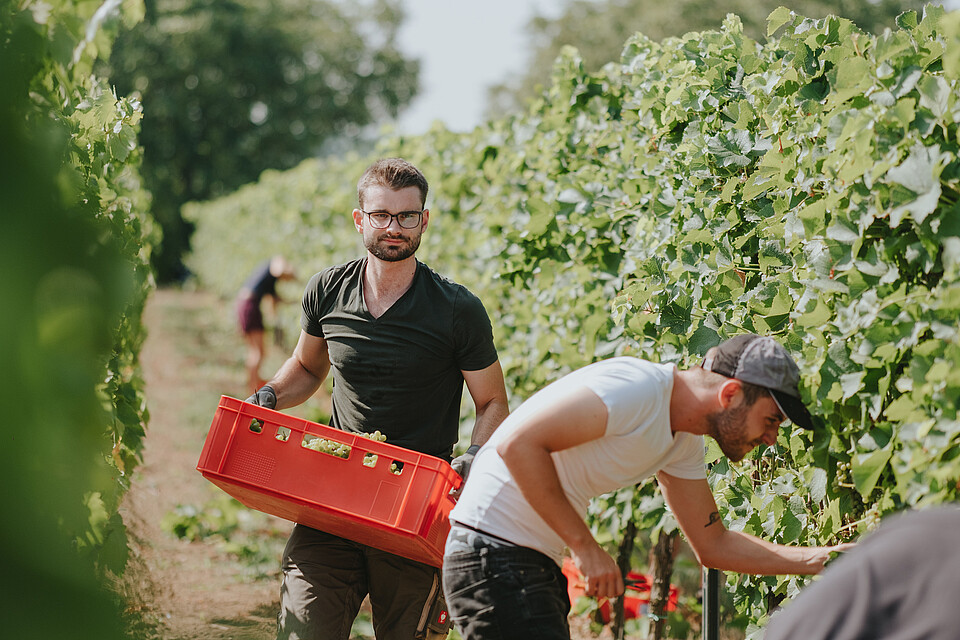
point(609, 425)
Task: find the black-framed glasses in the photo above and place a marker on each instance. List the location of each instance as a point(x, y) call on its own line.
point(382, 219)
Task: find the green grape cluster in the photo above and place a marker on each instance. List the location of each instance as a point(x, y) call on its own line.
point(342, 450)
point(370, 460)
point(871, 519)
point(330, 447)
point(842, 478)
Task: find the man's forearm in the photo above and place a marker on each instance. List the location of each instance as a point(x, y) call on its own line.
point(744, 553)
point(294, 384)
point(488, 419)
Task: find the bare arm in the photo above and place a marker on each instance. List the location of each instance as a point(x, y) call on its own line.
point(578, 418)
point(302, 374)
point(717, 547)
point(490, 399)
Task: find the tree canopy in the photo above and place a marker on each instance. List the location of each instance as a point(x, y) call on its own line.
point(598, 29)
point(233, 87)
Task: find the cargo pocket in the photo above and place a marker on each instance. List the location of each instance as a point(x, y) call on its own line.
point(435, 622)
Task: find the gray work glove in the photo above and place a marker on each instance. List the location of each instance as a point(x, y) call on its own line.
point(265, 396)
point(461, 464)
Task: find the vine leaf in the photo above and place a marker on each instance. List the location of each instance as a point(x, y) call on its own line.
point(920, 173)
point(867, 469)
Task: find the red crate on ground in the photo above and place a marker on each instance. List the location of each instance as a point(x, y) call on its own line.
point(636, 602)
point(256, 455)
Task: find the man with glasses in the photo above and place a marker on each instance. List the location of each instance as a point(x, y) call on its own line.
point(609, 425)
point(400, 341)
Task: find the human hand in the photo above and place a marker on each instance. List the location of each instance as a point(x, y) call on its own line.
point(834, 553)
point(461, 464)
point(265, 396)
point(600, 571)
point(821, 557)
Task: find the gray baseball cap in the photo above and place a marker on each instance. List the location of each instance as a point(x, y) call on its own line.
point(764, 362)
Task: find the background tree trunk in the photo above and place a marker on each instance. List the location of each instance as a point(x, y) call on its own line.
point(662, 568)
point(623, 562)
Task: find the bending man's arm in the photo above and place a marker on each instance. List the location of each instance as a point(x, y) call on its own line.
point(578, 418)
point(302, 374)
point(717, 547)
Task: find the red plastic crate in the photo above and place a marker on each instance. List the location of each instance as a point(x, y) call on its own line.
point(636, 602)
point(256, 455)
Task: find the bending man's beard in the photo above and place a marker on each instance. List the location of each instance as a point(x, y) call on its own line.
point(728, 427)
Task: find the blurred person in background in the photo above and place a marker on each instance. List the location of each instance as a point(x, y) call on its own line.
point(400, 341)
point(261, 284)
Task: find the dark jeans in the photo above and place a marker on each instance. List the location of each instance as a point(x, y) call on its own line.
point(505, 592)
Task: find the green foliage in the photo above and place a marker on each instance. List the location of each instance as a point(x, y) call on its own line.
point(249, 536)
point(807, 189)
point(708, 185)
point(598, 29)
point(235, 87)
point(73, 254)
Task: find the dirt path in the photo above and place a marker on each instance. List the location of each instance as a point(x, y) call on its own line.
point(201, 589)
point(197, 590)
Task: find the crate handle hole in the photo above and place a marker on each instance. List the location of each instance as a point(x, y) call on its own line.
point(370, 460)
point(283, 434)
point(396, 467)
point(256, 425)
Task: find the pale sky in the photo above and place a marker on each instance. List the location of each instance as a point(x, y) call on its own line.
point(465, 47)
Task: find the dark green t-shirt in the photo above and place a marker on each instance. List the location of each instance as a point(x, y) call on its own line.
point(399, 373)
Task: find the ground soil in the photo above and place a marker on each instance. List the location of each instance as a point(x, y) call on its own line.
point(200, 589)
point(191, 590)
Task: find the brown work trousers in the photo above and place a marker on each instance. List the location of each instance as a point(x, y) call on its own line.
point(326, 578)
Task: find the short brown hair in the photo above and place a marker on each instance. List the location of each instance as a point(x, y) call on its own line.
point(393, 173)
point(752, 392)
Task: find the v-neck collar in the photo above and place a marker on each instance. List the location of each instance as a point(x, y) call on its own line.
point(363, 294)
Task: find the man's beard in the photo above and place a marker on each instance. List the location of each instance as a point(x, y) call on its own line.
point(728, 427)
point(392, 253)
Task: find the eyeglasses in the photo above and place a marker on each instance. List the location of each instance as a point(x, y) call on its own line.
point(382, 219)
